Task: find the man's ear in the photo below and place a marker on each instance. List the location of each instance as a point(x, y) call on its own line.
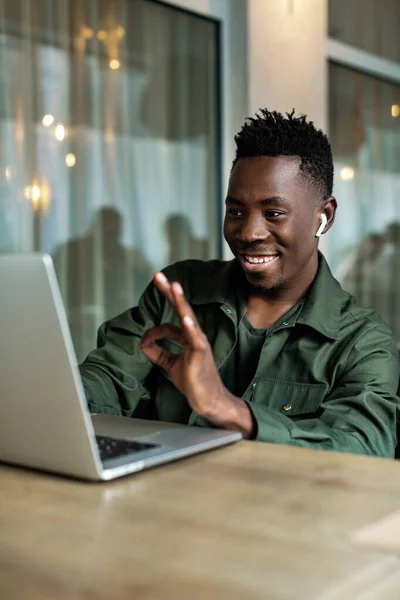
point(329, 208)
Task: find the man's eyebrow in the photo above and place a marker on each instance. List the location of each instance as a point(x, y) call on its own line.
point(232, 200)
point(279, 199)
point(266, 201)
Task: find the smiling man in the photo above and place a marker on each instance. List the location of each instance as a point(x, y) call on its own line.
point(268, 343)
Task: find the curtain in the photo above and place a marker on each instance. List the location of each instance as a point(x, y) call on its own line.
point(372, 25)
point(108, 152)
point(364, 245)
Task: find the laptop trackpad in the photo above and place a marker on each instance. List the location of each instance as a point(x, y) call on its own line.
point(130, 429)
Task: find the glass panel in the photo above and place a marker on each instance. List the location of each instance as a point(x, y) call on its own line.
point(108, 145)
point(364, 246)
point(372, 25)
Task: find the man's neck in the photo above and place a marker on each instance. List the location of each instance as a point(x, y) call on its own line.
point(266, 308)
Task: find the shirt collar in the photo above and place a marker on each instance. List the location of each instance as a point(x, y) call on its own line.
point(221, 286)
point(320, 308)
point(323, 302)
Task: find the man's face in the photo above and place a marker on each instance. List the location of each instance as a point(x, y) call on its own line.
point(271, 218)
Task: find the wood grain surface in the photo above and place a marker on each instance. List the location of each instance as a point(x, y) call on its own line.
point(250, 521)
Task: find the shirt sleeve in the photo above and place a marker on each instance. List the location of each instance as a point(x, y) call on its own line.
point(114, 374)
point(358, 415)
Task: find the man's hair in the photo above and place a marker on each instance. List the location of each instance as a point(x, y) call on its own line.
point(275, 134)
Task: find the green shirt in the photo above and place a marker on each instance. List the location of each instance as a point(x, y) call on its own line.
point(238, 372)
point(326, 377)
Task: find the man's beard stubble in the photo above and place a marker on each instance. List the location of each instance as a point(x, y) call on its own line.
point(258, 288)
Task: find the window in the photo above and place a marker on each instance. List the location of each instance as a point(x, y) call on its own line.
point(364, 126)
point(364, 248)
point(108, 146)
point(372, 25)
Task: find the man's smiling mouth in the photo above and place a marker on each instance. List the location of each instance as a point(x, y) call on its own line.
point(257, 262)
point(254, 260)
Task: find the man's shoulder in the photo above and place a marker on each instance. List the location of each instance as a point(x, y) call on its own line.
point(363, 318)
point(340, 310)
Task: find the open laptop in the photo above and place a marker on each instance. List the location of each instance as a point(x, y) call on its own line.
point(44, 419)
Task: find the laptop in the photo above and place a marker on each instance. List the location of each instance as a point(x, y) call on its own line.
point(44, 420)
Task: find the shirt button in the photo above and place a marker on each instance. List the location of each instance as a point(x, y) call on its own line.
point(228, 310)
point(285, 323)
point(287, 407)
point(254, 385)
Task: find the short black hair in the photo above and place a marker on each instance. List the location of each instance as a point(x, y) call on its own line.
point(275, 134)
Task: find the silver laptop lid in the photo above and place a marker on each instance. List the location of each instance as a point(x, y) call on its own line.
point(42, 404)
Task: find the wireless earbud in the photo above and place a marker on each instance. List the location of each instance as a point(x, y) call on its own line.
point(324, 221)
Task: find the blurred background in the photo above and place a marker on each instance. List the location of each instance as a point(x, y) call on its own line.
point(117, 120)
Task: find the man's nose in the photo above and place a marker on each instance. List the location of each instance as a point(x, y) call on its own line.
point(253, 229)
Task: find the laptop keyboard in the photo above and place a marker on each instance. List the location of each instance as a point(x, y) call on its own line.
point(110, 447)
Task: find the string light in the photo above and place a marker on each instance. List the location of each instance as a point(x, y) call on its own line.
point(395, 110)
point(39, 195)
point(47, 120)
point(60, 132)
point(111, 38)
point(347, 173)
point(114, 64)
point(70, 160)
point(87, 32)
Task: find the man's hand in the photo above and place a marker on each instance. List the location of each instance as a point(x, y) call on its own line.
point(193, 371)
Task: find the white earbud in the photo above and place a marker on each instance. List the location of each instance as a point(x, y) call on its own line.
point(324, 221)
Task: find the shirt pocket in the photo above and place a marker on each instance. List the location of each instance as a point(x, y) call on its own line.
point(291, 398)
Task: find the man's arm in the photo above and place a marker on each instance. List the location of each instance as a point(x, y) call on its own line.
point(113, 375)
point(359, 414)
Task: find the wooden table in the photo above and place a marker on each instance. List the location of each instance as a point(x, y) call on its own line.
point(249, 521)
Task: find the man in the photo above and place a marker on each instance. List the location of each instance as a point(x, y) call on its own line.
point(267, 344)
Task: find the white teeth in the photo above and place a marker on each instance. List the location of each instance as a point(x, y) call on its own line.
point(259, 259)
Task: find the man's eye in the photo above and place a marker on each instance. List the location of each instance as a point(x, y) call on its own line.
point(272, 214)
point(234, 212)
